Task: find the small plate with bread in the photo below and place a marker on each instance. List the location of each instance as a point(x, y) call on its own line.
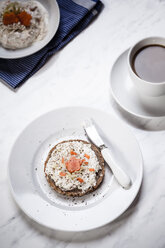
point(54, 165)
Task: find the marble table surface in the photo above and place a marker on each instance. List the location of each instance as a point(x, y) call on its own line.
point(78, 75)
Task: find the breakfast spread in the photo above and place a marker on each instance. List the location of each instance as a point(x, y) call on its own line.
point(22, 23)
point(74, 167)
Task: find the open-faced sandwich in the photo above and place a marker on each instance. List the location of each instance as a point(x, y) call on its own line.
point(74, 167)
point(22, 23)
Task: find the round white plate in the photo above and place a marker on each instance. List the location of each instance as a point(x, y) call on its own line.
point(54, 18)
point(32, 192)
point(126, 95)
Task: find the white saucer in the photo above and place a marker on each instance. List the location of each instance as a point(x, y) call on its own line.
point(126, 95)
point(31, 189)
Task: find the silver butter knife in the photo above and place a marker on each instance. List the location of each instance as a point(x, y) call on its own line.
point(122, 178)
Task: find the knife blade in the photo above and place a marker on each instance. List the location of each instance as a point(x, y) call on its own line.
point(91, 131)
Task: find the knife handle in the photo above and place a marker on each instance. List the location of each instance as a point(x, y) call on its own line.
point(122, 178)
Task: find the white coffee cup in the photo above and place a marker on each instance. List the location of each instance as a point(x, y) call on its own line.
point(145, 87)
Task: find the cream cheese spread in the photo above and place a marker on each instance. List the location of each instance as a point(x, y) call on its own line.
point(88, 170)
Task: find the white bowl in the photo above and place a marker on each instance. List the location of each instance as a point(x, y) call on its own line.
point(146, 87)
point(54, 17)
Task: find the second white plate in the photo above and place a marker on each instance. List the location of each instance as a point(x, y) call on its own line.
point(32, 192)
point(54, 18)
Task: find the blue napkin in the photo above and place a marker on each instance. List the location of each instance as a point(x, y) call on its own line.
point(75, 15)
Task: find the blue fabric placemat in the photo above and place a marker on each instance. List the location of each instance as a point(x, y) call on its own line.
point(75, 15)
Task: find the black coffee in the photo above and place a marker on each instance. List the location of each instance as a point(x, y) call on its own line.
point(149, 63)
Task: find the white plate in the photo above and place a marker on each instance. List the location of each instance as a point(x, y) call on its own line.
point(125, 93)
point(54, 17)
point(32, 192)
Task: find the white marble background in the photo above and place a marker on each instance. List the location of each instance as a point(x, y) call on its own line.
point(78, 75)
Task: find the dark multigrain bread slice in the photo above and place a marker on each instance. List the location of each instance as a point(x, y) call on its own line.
point(78, 192)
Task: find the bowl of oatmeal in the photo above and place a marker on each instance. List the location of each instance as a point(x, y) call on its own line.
point(26, 26)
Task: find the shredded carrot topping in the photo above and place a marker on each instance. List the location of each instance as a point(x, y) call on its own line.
point(91, 169)
point(86, 163)
point(73, 153)
point(24, 18)
point(80, 179)
point(62, 160)
point(10, 18)
point(87, 156)
point(82, 161)
point(62, 174)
